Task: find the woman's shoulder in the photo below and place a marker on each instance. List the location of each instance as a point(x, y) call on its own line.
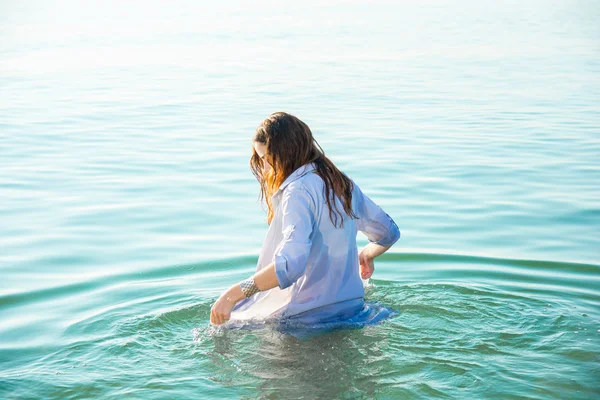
point(310, 182)
point(314, 184)
point(309, 186)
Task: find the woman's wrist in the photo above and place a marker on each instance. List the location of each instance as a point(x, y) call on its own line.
point(234, 294)
point(373, 250)
point(366, 253)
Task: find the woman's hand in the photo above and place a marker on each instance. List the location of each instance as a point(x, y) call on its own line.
point(366, 257)
point(265, 279)
point(367, 266)
point(221, 310)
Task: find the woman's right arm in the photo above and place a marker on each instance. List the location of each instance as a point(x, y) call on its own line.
point(380, 229)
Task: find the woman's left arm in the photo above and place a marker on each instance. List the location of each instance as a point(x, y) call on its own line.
point(264, 279)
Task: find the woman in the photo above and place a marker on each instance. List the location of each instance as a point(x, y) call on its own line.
point(309, 269)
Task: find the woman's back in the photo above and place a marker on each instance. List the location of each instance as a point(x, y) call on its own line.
point(316, 260)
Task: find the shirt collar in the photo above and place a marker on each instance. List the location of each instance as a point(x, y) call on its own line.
point(298, 173)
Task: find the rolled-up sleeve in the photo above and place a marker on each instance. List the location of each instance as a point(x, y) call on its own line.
point(376, 224)
point(292, 253)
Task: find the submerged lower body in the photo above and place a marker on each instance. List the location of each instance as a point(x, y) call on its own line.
point(350, 314)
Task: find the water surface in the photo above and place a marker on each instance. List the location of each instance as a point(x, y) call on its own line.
point(127, 205)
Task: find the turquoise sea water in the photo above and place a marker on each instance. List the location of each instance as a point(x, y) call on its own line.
point(127, 205)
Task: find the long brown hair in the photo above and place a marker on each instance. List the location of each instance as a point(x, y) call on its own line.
point(290, 145)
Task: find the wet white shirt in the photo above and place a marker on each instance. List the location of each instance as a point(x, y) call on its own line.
point(316, 263)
